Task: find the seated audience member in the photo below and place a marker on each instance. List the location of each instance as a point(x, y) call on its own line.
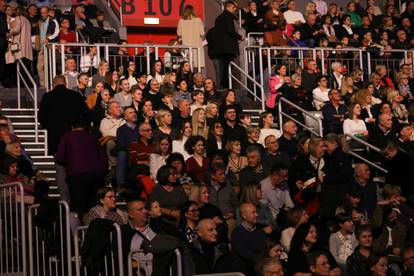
point(154, 209)
point(382, 132)
point(248, 240)
point(354, 125)
point(255, 170)
point(199, 123)
point(306, 174)
point(99, 111)
point(208, 253)
point(275, 190)
point(358, 263)
point(82, 87)
point(105, 208)
point(125, 135)
point(139, 232)
point(353, 206)
point(407, 256)
point(273, 154)
point(368, 188)
point(236, 162)
point(71, 74)
point(378, 264)
point(215, 142)
point(304, 242)
point(160, 155)
point(334, 113)
point(295, 216)
point(176, 160)
point(343, 242)
point(182, 92)
point(85, 162)
point(288, 142)
point(189, 219)
point(320, 94)
point(146, 113)
point(266, 122)
point(197, 164)
point(232, 130)
point(170, 196)
point(184, 133)
point(108, 128)
point(253, 133)
point(164, 119)
point(405, 140)
point(198, 100)
point(92, 98)
point(221, 192)
point(212, 113)
point(319, 263)
point(139, 151)
point(124, 96)
point(271, 266)
point(210, 91)
point(153, 94)
point(252, 194)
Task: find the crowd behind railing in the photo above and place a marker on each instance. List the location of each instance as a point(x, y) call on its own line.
point(197, 174)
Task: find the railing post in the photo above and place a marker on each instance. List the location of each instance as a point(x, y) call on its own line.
point(369, 62)
point(190, 57)
point(280, 114)
point(230, 76)
point(361, 63)
point(156, 52)
point(263, 98)
point(18, 84)
point(261, 67)
point(269, 63)
point(323, 62)
point(35, 113)
point(62, 58)
point(121, 13)
point(199, 59)
point(148, 52)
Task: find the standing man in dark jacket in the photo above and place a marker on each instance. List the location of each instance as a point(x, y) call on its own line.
point(58, 109)
point(227, 37)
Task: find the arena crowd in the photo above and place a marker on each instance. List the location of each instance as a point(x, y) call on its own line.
point(192, 167)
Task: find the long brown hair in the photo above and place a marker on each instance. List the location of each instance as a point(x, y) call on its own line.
point(188, 12)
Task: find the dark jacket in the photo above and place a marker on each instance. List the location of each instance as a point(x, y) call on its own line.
point(379, 138)
point(248, 174)
point(210, 258)
point(226, 35)
point(302, 170)
point(225, 198)
point(58, 109)
point(331, 123)
point(3, 32)
point(338, 176)
point(357, 264)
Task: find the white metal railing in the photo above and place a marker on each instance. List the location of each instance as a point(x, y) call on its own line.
point(55, 55)
point(262, 97)
point(318, 120)
point(369, 147)
point(24, 78)
point(257, 57)
point(41, 260)
point(113, 260)
point(12, 230)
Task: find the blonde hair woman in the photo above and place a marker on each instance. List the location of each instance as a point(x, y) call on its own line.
point(190, 31)
point(398, 108)
point(347, 89)
point(199, 123)
point(164, 119)
point(236, 161)
point(212, 113)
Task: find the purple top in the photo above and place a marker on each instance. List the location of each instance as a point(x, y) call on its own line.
point(80, 152)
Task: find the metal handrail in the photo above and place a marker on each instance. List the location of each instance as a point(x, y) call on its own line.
point(19, 65)
point(297, 107)
point(365, 143)
point(253, 34)
point(231, 77)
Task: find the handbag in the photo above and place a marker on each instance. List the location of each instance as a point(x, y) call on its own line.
point(14, 47)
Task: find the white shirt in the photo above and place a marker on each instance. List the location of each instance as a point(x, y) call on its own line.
point(353, 127)
point(110, 125)
point(178, 146)
point(293, 16)
point(286, 238)
point(87, 62)
point(320, 97)
point(264, 132)
point(276, 198)
point(132, 81)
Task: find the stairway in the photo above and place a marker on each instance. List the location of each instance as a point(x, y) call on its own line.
point(23, 124)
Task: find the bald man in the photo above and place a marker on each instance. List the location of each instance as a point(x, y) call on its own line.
point(208, 255)
point(369, 189)
point(247, 240)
